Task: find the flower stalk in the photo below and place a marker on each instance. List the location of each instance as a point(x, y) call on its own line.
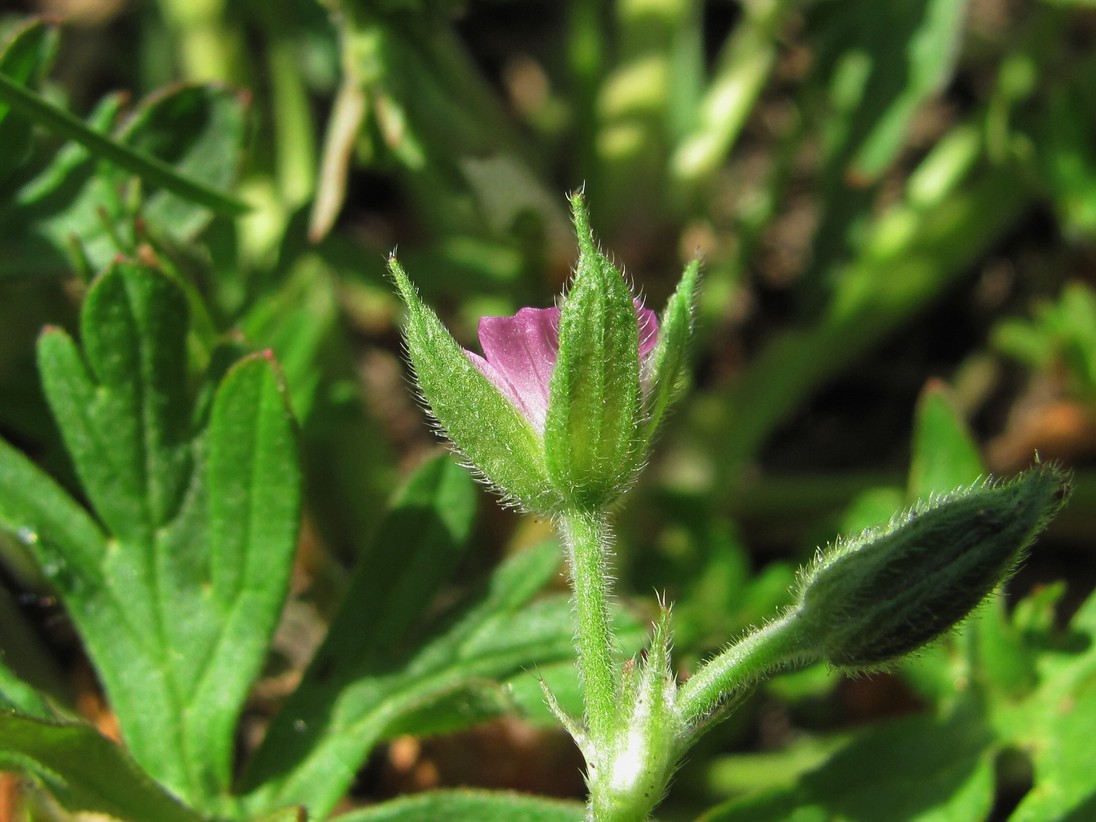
point(720, 680)
point(587, 540)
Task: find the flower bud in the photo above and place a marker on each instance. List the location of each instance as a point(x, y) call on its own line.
point(629, 773)
point(871, 599)
point(559, 411)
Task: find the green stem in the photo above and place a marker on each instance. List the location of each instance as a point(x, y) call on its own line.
point(587, 538)
point(779, 644)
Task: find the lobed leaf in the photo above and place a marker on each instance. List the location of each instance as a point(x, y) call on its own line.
point(177, 609)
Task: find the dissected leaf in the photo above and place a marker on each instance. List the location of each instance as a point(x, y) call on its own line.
point(150, 168)
point(120, 404)
point(82, 202)
point(199, 130)
point(72, 207)
point(39, 512)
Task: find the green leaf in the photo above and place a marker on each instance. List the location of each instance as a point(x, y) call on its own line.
point(19, 696)
point(916, 768)
point(72, 208)
point(200, 131)
point(177, 609)
point(85, 771)
point(348, 701)
point(415, 551)
point(25, 57)
point(38, 512)
point(82, 205)
point(253, 491)
point(153, 170)
point(349, 471)
point(122, 411)
point(470, 704)
point(944, 454)
point(469, 806)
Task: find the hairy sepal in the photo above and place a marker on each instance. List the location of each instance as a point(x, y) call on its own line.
point(591, 437)
point(486, 428)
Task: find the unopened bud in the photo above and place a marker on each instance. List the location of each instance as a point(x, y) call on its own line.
point(871, 599)
point(629, 772)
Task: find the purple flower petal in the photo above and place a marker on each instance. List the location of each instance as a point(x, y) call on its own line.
point(519, 355)
point(521, 352)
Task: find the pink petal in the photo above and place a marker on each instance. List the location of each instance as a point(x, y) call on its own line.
point(519, 355)
point(522, 352)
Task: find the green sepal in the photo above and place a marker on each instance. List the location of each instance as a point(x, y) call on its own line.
point(666, 363)
point(888, 591)
point(492, 434)
point(590, 435)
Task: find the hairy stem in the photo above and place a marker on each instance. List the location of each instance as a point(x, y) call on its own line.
point(779, 644)
point(587, 537)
